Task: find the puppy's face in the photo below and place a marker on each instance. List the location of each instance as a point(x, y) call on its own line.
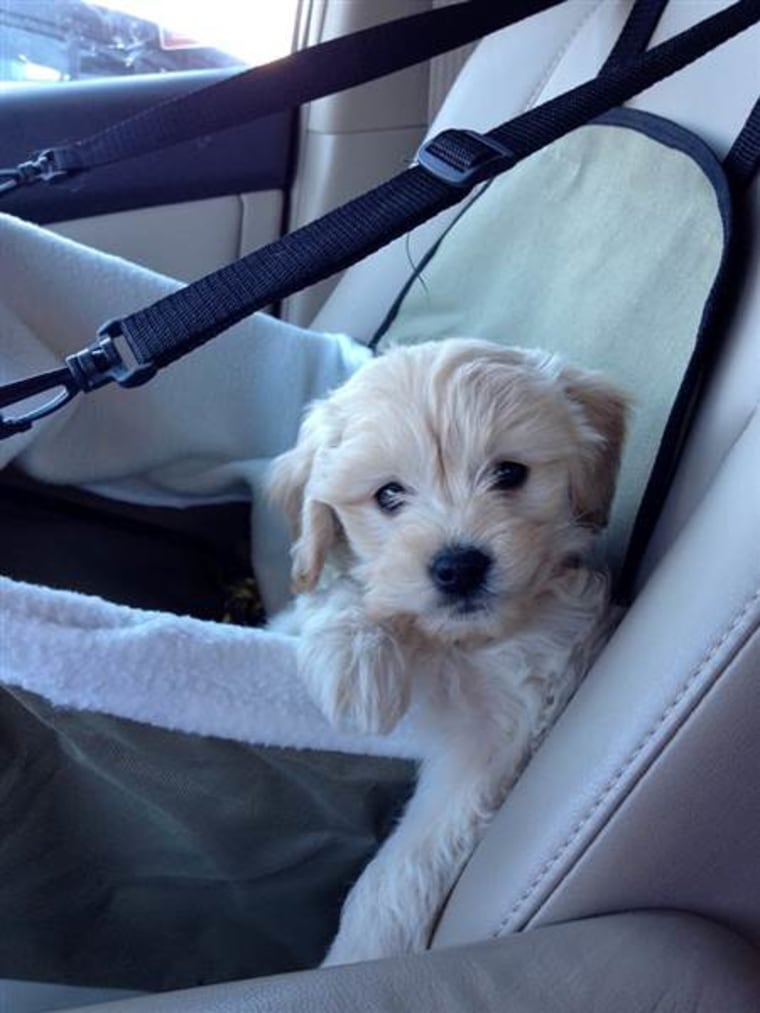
point(460, 475)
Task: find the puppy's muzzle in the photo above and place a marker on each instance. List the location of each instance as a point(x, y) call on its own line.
point(460, 571)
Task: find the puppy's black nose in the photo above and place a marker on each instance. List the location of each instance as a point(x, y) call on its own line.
point(459, 570)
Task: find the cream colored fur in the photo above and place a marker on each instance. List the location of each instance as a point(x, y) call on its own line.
point(484, 674)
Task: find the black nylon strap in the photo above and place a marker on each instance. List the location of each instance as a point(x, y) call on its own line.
point(302, 77)
point(743, 160)
point(637, 32)
point(742, 163)
point(175, 325)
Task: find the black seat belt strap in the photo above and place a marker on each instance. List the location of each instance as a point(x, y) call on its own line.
point(448, 167)
point(742, 162)
point(303, 76)
point(637, 32)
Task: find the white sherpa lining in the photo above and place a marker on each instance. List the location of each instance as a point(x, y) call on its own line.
point(175, 672)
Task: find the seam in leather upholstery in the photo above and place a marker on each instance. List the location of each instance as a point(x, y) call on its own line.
point(624, 768)
point(739, 433)
point(559, 56)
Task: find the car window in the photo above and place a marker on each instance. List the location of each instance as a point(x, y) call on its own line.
point(69, 40)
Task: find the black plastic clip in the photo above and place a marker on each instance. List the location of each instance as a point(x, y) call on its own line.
point(103, 362)
point(93, 367)
point(463, 158)
point(40, 168)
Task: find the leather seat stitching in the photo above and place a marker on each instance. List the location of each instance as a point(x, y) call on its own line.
point(624, 768)
point(559, 56)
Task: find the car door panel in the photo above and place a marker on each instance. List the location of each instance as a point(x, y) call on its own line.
point(188, 239)
point(211, 199)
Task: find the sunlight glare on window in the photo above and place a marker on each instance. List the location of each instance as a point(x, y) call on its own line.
point(254, 32)
point(73, 40)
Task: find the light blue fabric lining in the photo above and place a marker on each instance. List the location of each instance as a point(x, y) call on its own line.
point(604, 248)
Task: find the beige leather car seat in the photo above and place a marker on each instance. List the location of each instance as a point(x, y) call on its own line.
point(646, 796)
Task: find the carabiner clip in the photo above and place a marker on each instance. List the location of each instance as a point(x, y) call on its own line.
point(9, 179)
point(22, 390)
point(98, 364)
point(39, 168)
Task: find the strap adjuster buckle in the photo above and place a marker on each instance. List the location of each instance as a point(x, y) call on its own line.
point(463, 158)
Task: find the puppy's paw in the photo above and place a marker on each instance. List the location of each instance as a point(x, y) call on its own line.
point(371, 941)
point(357, 676)
point(376, 922)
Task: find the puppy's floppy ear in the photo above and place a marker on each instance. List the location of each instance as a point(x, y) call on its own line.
point(601, 410)
point(292, 485)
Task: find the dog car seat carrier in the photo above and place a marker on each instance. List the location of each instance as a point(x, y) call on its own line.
point(190, 815)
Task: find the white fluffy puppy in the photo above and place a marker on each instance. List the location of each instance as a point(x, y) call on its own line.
point(456, 487)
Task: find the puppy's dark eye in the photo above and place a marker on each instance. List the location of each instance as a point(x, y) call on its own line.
point(507, 475)
point(390, 497)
